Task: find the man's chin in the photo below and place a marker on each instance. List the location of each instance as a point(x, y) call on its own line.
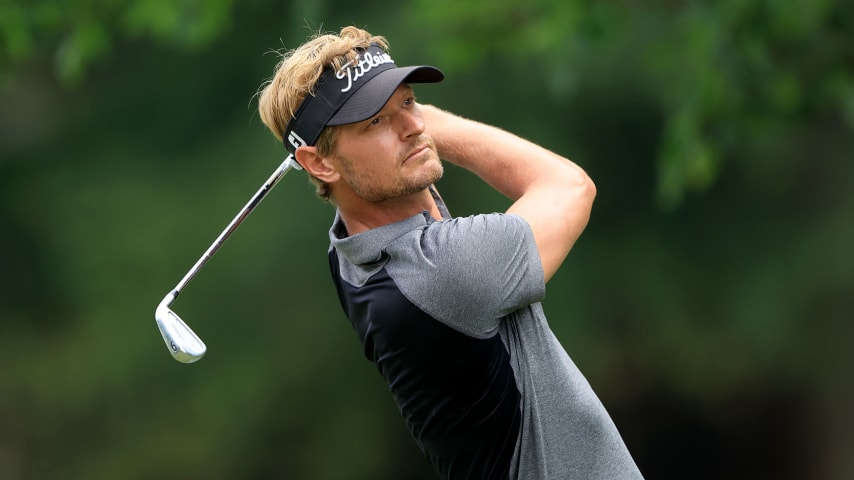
point(434, 171)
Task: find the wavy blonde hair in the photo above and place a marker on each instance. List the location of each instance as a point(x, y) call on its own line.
point(295, 77)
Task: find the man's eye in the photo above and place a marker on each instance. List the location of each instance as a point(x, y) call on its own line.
point(409, 101)
point(375, 121)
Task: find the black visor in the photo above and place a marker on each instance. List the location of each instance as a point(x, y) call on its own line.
point(352, 94)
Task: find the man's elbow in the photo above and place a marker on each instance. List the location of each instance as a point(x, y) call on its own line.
point(582, 187)
point(589, 188)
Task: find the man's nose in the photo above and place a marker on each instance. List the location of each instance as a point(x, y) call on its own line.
point(411, 123)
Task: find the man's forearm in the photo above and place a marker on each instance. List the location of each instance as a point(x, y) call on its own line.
point(507, 162)
point(553, 194)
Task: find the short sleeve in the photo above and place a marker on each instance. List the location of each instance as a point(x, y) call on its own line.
point(470, 272)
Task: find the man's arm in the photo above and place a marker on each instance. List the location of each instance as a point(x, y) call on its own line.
point(552, 193)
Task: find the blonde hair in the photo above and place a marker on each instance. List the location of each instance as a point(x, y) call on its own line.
point(295, 77)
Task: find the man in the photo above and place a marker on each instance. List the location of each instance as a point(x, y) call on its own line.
point(447, 308)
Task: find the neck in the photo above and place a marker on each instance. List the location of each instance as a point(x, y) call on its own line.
point(360, 215)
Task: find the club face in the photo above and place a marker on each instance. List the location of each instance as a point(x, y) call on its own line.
point(184, 345)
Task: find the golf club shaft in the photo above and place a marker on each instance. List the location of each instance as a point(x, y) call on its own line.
point(271, 182)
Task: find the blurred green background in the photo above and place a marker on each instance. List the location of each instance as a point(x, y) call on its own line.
point(709, 302)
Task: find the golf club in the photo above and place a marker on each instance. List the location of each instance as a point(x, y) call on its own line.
point(184, 345)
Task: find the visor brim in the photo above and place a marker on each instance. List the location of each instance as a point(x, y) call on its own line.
point(372, 96)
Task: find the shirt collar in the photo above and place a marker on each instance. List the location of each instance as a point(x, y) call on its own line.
point(367, 247)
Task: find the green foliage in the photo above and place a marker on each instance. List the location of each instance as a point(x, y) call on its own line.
point(79, 35)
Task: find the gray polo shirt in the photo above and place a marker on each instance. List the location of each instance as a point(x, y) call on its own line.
point(450, 313)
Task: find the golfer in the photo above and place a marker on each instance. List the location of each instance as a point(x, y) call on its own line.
point(447, 308)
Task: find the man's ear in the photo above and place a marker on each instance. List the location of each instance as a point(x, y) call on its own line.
point(316, 165)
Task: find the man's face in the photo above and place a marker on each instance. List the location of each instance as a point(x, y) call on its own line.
point(388, 155)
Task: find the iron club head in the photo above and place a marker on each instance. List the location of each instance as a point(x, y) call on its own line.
point(184, 345)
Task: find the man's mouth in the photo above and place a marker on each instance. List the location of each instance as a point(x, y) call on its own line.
point(416, 152)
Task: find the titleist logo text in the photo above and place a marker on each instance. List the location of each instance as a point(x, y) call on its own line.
point(354, 72)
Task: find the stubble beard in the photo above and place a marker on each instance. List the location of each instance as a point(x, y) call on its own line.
point(373, 189)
